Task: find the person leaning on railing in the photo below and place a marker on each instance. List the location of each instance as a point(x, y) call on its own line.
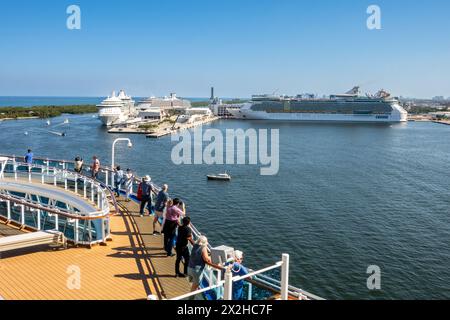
point(184, 237)
point(78, 164)
point(238, 270)
point(95, 167)
point(160, 204)
point(118, 180)
point(29, 159)
point(170, 224)
point(146, 194)
point(198, 260)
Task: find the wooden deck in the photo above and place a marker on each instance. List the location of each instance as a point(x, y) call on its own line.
point(163, 267)
point(6, 231)
point(132, 266)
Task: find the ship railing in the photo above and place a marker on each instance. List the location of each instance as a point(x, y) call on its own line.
point(211, 276)
point(227, 283)
point(42, 212)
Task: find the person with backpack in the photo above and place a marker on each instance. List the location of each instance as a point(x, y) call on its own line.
point(146, 194)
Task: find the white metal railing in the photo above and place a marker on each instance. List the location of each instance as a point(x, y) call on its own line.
point(227, 283)
point(80, 186)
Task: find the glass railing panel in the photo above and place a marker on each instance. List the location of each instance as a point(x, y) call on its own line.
point(3, 209)
point(48, 221)
point(16, 213)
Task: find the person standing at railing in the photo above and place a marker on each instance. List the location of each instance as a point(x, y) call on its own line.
point(184, 237)
point(197, 261)
point(78, 167)
point(173, 215)
point(237, 270)
point(29, 159)
point(146, 194)
point(118, 180)
point(128, 183)
point(95, 167)
point(160, 205)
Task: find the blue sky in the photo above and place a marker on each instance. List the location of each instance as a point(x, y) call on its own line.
point(240, 47)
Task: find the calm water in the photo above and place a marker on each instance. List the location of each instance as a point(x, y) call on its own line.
point(346, 197)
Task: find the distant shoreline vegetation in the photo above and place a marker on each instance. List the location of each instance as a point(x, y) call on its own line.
point(44, 111)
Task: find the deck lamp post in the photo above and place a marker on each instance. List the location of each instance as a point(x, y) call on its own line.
point(130, 145)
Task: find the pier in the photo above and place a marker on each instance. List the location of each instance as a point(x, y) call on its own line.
point(112, 253)
point(180, 127)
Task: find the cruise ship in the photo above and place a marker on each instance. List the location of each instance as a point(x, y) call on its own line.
point(348, 107)
point(116, 110)
point(164, 103)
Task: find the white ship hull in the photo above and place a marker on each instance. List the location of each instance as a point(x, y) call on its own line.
point(397, 115)
point(110, 120)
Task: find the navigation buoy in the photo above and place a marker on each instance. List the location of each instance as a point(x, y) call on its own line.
point(25, 133)
point(48, 122)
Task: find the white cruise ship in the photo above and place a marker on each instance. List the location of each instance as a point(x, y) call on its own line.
point(116, 110)
point(164, 103)
point(348, 107)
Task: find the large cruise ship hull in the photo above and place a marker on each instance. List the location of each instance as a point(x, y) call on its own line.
point(316, 117)
point(397, 115)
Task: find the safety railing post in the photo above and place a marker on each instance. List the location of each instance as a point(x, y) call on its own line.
point(250, 291)
point(84, 189)
point(228, 286)
point(76, 231)
point(98, 198)
point(22, 214)
point(56, 223)
point(218, 279)
point(8, 209)
point(92, 191)
point(285, 277)
point(38, 219)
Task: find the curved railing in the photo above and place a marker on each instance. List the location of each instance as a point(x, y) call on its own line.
point(40, 209)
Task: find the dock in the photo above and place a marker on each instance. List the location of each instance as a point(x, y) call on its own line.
point(445, 122)
point(180, 127)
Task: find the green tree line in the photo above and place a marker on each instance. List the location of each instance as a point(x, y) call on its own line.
point(45, 111)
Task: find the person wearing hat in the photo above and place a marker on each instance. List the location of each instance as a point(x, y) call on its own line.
point(147, 189)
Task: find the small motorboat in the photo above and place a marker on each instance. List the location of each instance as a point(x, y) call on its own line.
point(220, 177)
